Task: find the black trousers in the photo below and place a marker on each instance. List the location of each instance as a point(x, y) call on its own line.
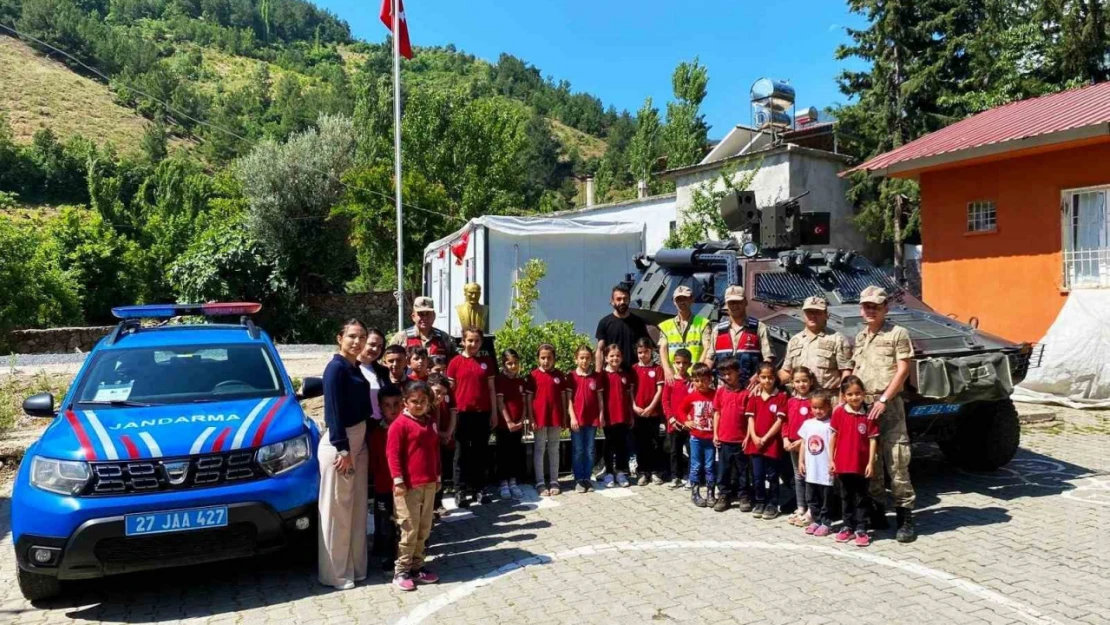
point(385, 529)
point(765, 479)
point(819, 501)
point(679, 440)
point(649, 446)
point(616, 448)
point(472, 439)
point(510, 454)
point(732, 471)
point(856, 501)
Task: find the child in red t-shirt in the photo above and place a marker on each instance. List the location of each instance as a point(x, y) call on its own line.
point(548, 388)
point(472, 385)
point(418, 363)
point(412, 449)
point(385, 528)
point(797, 412)
point(445, 416)
point(511, 412)
point(620, 387)
point(730, 432)
point(852, 447)
point(766, 413)
point(678, 437)
point(647, 406)
point(585, 388)
point(697, 415)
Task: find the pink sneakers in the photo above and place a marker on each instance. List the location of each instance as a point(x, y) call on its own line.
point(844, 535)
point(424, 576)
point(822, 531)
point(404, 582)
point(862, 539)
point(811, 529)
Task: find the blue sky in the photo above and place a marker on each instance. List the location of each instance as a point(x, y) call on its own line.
point(625, 50)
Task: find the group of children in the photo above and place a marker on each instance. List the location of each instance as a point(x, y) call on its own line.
point(740, 441)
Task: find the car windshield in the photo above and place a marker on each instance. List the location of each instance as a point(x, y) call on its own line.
point(183, 374)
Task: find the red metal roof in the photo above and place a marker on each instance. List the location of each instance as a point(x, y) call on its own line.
point(1036, 117)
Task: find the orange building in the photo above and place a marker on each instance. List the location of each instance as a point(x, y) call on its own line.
point(1014, 209)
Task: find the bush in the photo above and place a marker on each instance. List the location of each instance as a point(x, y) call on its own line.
point(98, 261)
point(520, 334)
point(34, 291)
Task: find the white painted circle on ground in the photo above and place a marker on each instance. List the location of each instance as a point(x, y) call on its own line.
point(428, 608)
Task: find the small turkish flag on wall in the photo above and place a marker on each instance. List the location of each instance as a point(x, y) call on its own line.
point(402, 25)
point(458, 249)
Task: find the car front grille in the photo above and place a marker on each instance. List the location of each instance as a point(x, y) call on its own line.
point(165, 474)
point(119, 554)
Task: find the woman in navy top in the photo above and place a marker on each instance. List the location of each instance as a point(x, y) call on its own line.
point(344, 464)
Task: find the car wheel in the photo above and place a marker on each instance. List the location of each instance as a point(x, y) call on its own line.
point(984, 437)
point(36, 587)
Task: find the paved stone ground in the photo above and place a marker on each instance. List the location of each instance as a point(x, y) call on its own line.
point(1024, 544)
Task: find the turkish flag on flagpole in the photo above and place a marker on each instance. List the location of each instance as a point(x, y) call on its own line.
point(402, 25)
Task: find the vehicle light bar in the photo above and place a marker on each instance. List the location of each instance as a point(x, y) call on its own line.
point(154, 311)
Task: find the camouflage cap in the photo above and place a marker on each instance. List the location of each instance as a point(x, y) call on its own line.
point(815, 302)
point(423, 304)
point(683, 291)
point(735, 294)
point(873, 295)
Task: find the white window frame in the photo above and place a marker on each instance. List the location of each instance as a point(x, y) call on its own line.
point(980, 214)
point(1089, 266)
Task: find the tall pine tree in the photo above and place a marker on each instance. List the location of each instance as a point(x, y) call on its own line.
point(917, 52)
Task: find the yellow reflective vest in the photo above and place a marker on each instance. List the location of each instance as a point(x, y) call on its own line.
point(690, 340)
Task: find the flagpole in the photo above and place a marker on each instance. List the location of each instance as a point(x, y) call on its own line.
point(397, 164)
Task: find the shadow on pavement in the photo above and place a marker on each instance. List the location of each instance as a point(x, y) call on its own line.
point(1028, 475)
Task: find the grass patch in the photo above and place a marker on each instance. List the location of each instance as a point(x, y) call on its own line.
point(15, 388)
point(38, 92)
point(588, 146)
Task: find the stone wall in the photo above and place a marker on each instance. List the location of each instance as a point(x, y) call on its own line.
point(376, 310)
point(55, 340)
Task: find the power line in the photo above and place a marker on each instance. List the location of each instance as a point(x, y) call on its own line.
point(230, 133)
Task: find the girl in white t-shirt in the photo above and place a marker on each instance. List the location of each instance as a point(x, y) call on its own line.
point(813, 463)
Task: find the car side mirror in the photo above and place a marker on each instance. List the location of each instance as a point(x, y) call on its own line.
point(311, 387)
point(40, 405)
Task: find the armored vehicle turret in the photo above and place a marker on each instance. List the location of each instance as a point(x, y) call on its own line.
point(958, 392)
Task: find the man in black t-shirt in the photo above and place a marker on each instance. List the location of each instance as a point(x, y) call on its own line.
point(620, 328)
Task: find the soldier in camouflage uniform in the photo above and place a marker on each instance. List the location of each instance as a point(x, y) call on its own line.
point(883, 352)
point(824, 352)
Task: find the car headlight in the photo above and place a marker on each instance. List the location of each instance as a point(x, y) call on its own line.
point(65, 477)
point(280, 457)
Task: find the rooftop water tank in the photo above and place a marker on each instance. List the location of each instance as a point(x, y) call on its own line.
point(777, 94)
point(806, 116)
point(769, 118)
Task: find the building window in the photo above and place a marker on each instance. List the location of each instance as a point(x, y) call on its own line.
point(674, 226)
point(1086, 231)
point(981, 217)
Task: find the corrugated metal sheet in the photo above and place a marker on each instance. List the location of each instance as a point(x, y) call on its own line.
point(1067, 110)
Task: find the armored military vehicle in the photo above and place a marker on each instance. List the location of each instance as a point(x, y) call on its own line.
point(958, 392)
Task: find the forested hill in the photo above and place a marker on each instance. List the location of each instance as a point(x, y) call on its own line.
point(213, 149)
point(268, 68)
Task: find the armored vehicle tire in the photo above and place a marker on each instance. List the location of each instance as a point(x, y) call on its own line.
point(37, 587)
point(984, 437)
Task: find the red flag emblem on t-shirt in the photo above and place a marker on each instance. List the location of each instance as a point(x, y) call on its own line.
point(402, 26)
